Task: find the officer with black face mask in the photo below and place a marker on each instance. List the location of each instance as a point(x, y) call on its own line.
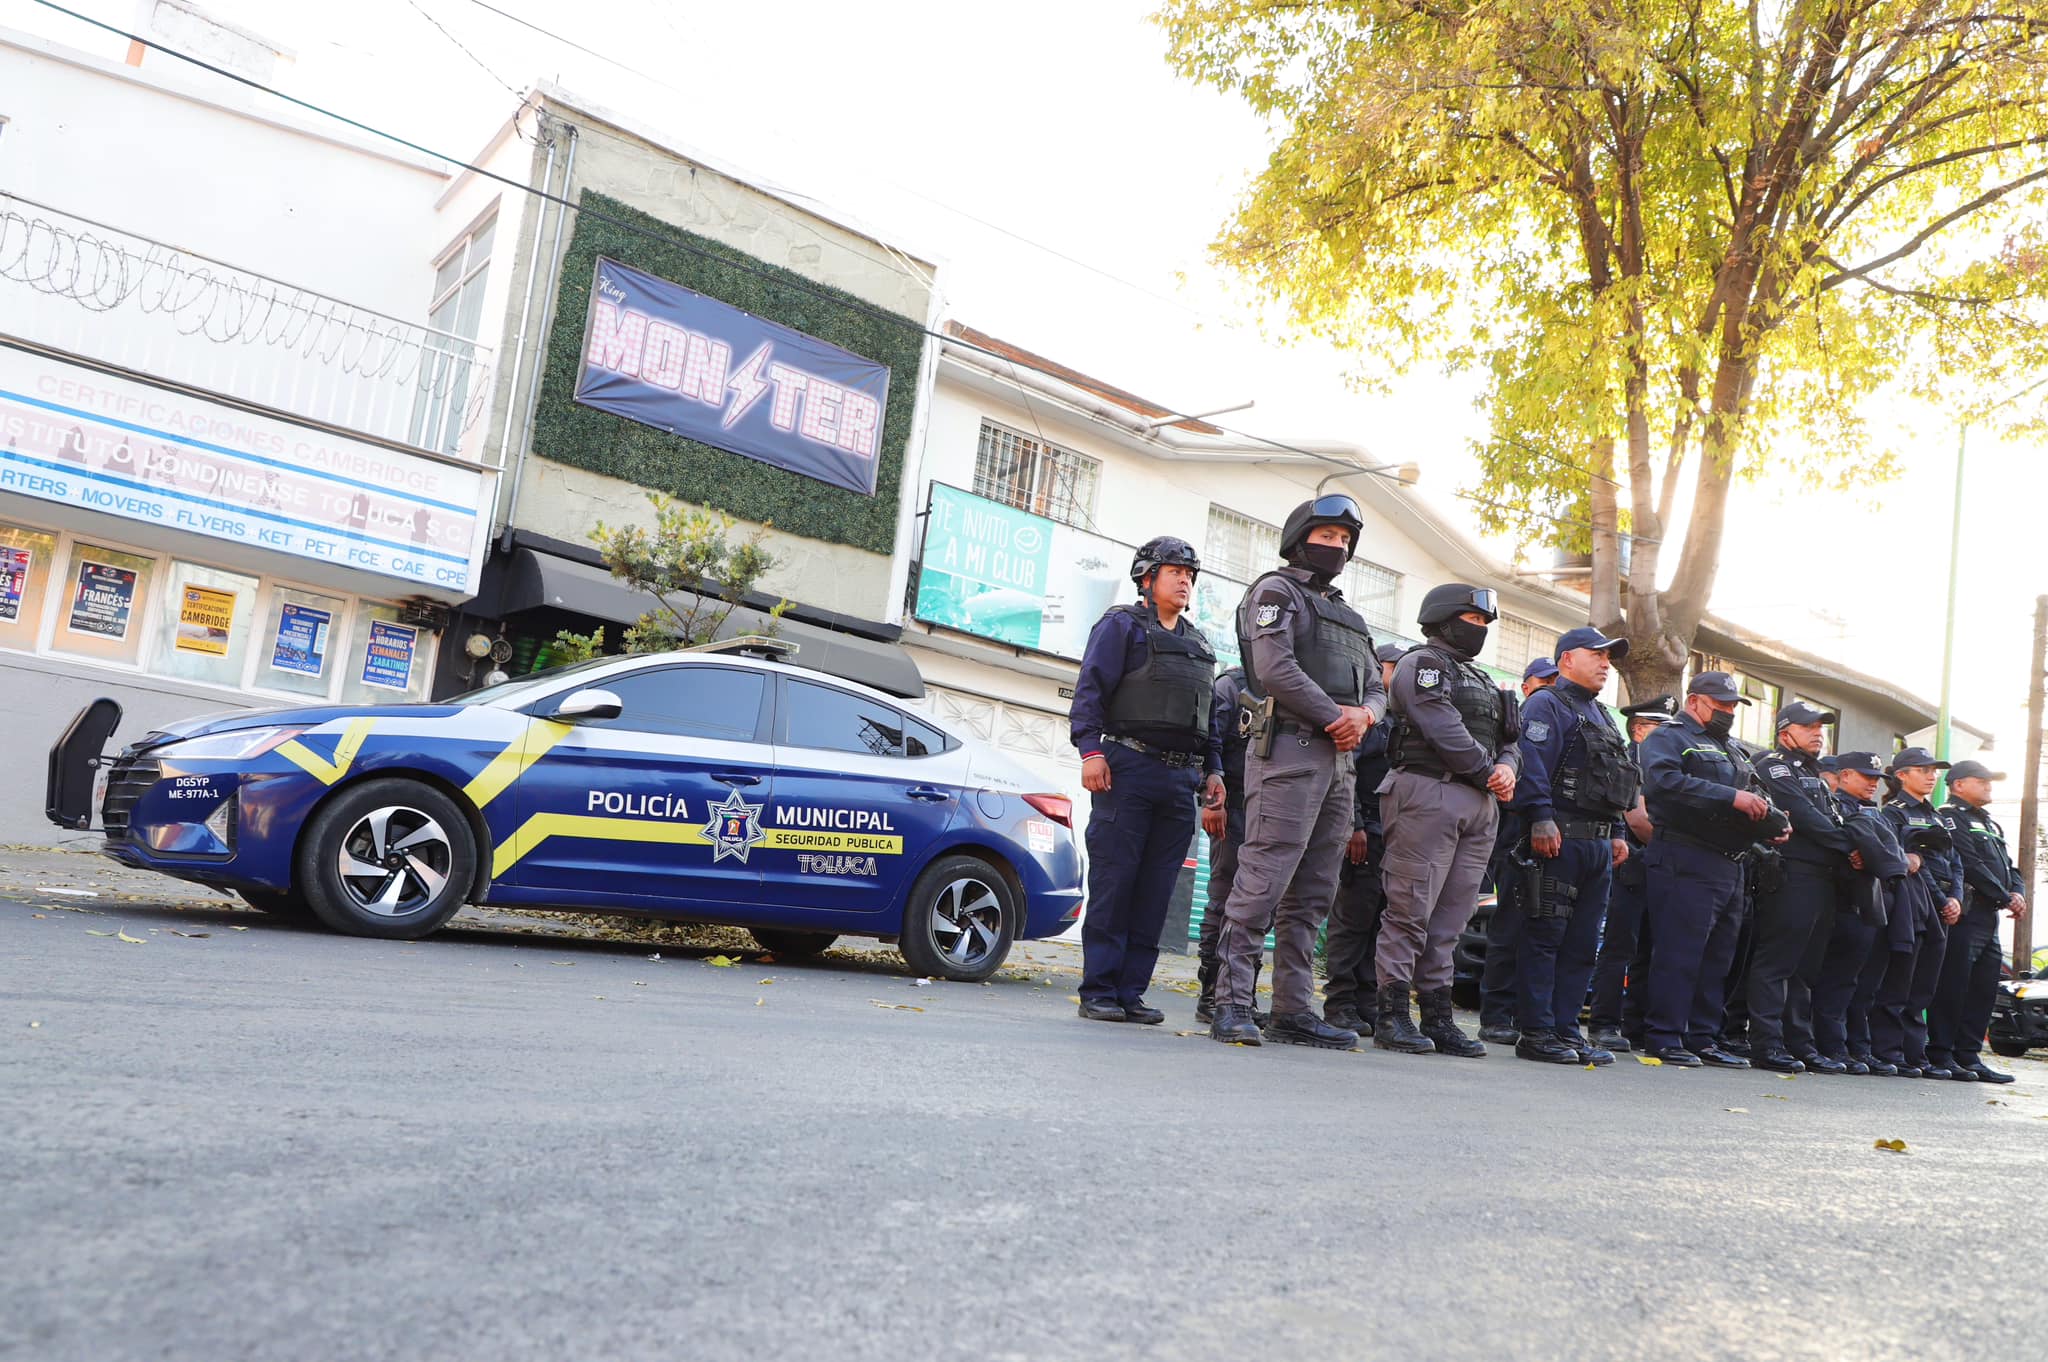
point(1140, 718)
point(1454, 766)
point(1310, 657)
point(1700, 792)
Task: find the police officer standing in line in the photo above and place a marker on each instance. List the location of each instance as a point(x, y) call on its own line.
point(1576, 783)
point(1350, 993)
point(1454, 766)
point(1929, 902)
point(1497, 974)
point(1699, 792)
point(1857, 952)
point(1797, 912)
point(1225, 828)
point(1968, 987)
point(1309, 656)
point(1620, 977)
point(1140, 718)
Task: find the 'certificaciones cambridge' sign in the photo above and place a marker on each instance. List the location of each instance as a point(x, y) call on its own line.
point(671, 358)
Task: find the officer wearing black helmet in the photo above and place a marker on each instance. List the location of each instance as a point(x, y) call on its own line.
point(1454, 763)
point(1140, 718)
point(1310, 657)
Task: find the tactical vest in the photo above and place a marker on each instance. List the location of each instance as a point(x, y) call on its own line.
point(1479, 702)
point(1166, 701)
point(1338, 654)
point(1602, 779)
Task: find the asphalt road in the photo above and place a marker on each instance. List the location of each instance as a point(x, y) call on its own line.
point(278, 1144)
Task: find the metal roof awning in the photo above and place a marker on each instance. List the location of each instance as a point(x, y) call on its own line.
point(535, 580)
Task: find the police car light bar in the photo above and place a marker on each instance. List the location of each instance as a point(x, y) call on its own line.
point(774, 649)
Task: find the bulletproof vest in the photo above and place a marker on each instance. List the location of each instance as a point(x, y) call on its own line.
point(1598, 776)
point(1337, 655)
point(1719, 761)
point(1235, 741)
point(1479, 702)
point(1167, 700)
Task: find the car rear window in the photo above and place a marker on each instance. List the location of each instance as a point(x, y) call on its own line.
point(835, 721)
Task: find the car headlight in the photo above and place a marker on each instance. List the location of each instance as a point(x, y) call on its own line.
point(240, 744)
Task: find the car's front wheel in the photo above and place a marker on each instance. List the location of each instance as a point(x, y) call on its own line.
point(792, 945)
point(959, 921)
point(389, 858)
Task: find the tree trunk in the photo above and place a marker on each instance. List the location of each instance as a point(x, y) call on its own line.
point(1654, 668)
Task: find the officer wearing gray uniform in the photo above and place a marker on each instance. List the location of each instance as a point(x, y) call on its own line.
point(1310, 657)
point(1454, 763)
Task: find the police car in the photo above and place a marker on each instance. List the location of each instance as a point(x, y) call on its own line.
point(721, 786)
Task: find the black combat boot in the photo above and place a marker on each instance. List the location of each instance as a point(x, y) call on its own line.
point(1346, 1016)
point(1205, 1001)
point(1395, 1029)
point(1441, 1026)
point(1306, 1028)
point(1233, 1026)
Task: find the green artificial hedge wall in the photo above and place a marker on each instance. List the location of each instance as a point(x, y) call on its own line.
point(612, 445)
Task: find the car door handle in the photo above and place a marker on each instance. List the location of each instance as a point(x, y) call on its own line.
point(735, 778)
point(931, 794)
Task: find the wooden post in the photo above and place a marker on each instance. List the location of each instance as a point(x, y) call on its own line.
point(2030, 792)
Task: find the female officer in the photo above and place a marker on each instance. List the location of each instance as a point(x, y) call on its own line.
point(1927, 901)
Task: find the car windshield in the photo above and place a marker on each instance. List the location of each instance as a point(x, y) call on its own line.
point(489, 693)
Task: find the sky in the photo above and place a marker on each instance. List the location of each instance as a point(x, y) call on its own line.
point(1069, 184)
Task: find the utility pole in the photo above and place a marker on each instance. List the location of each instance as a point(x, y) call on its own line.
point(2030, 790)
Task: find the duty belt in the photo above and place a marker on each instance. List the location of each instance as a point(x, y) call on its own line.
point(1160, 753)
point(1583, 828)
point(1283, 727)
point(1686, 839)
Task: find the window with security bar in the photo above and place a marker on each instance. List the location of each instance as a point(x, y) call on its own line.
point(1242, 548)
point(1518, 642)
point(447, 359)
point(1032, 475)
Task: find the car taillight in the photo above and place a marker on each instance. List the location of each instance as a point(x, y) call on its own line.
point(1058, 808)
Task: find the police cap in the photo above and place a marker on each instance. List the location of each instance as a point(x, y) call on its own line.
point(1164, 551)
point(1799, 712)
point(1656, 707)
point(1585, 636)
point(1972, 770)
point(1390, 652)
point(1541, 668)
point(1864, 763)
point(1915, 756)
point(1717, 686)
point(1453, 599)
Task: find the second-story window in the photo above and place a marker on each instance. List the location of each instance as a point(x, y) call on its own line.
point(1034, 476)
point(448, 357)
point(1241, 548)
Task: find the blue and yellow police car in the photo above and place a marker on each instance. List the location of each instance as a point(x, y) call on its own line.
point(724, 786)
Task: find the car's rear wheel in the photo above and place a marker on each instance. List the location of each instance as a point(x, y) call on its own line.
point(792, 944)
point(959, 920)
point(284, 906)
point(388, 858)
point(2010, 1049)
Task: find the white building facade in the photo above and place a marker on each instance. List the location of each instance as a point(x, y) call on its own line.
point(241, 403)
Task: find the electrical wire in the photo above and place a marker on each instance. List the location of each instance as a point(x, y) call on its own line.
point(678, 243)
point(480, 63)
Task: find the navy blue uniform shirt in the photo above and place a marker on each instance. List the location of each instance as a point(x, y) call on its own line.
point(1690, 780)
point(1550, 728)
point(1116, 648)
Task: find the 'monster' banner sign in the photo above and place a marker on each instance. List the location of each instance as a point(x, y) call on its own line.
point(671, 358)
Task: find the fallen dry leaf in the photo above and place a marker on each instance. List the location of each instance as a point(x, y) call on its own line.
point(1739, 1111)
point(131, 940)
point(35, 1026)
point(1775, 1097)
point(769, 980)
point(566, 964)
point(1589, 1066)
point(722, 961)
point(90, 932)
point(894, 1007)
point(760, 1001)
point(1790, 1078)
point(639, 983)
point(1890, 1146)
point(1073, 997)
point(764, 958)
point(1650, 1060)
point(195, 936)
point(233, 928)
point(1191, 1033)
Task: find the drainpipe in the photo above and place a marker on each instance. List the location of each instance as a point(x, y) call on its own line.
point(547, 308)
point(547, 176)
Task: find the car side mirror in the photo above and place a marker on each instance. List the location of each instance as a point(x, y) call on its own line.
point(587, 704)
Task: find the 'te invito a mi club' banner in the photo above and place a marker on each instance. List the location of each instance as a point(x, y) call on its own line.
point(674, 359)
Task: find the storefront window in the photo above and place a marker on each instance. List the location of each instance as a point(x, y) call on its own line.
point(101, 612)
point(388, 662)
point(298, 648)
point(203, 625)
point(25, 558)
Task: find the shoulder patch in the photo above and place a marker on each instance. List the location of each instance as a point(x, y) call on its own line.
point(1428, 677)
point(1265, 616)
point(1779, 772)
point(1538, 731)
